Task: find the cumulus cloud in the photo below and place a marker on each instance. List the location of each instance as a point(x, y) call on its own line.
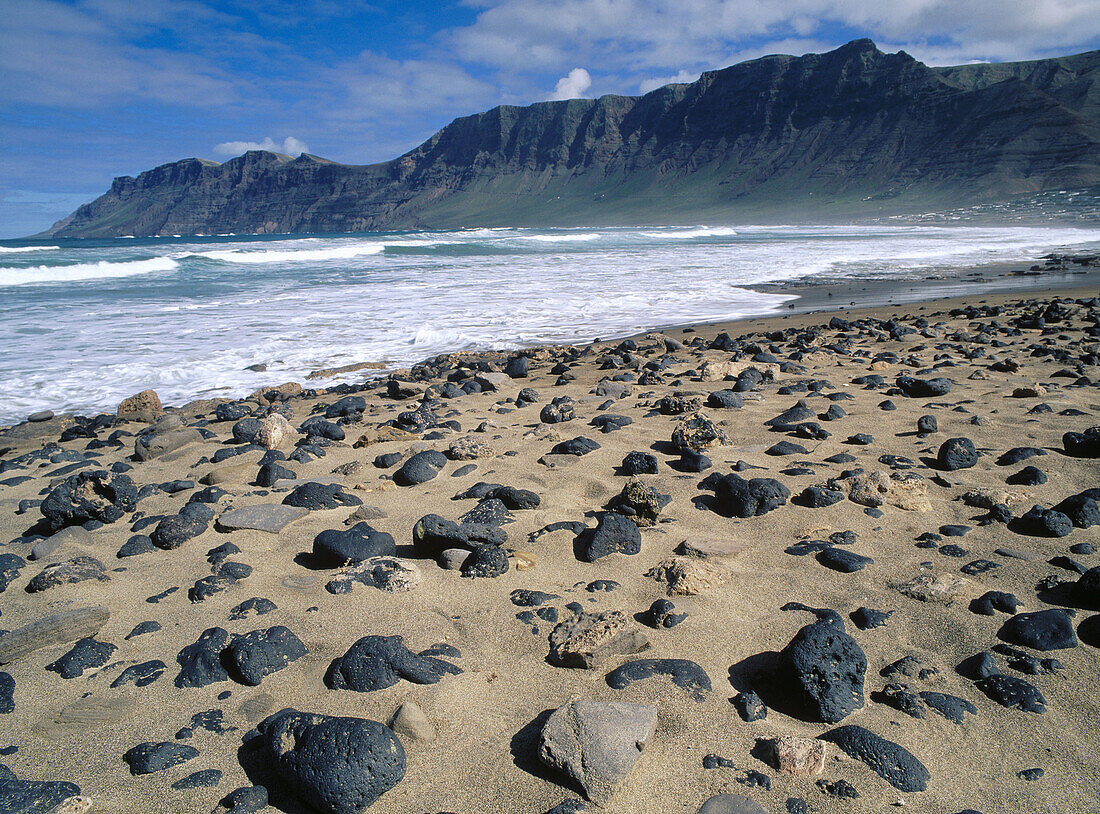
point(646, 85)
point(572, 85)
point(290, 146)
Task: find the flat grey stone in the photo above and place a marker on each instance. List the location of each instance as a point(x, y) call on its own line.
point(597, 743)
point(61, 628)
point(731, 804)
point(153, 446)
point(271, 517)
point(70, 535)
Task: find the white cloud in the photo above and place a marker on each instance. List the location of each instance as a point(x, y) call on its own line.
point(572, 86)
point(290, 146)
point(646, 85)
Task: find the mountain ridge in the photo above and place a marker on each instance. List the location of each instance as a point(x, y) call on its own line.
point(850, 132)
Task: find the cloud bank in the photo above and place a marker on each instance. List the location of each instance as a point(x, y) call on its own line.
point(572, 86)
point(290, 146)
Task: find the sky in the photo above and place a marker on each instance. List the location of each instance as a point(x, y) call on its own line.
point(93, 89)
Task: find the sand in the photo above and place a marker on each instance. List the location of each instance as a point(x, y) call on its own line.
point(487, 719)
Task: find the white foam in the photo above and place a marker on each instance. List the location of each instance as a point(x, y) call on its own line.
point(21, 249)
point(294, 255)
point(41, 275)
point(686, 234)
point(583, 237)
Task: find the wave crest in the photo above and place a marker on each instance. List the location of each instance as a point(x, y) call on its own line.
point(104, 269)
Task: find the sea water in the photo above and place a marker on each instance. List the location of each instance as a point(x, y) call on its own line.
point(85, 323)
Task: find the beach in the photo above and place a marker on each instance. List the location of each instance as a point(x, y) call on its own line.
point(856, 507)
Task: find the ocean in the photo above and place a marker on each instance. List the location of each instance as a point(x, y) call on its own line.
point(85, 323)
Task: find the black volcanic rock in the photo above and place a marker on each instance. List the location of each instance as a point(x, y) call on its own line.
point(849, 124)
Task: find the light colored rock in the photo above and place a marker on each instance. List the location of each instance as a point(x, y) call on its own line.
point(147, 447)
point(231, 473)
point(799, 757)
point(709, 548)
point(867, 488)
point(380, 435)
point(524, 560)
point(612, 390)
point(72, 536)
point(364, 512)
point(452, 559)
point(988, 498)
point(937, 587)
point(731, 804)
point(60, 628)
point(1029, 392)
point(143, 406)
point(698, 432)
point(271, 395)
point(715, 371)
point(409, 721)
point(909, 492)
point(80, 804)
point(469, 449)
point(269, 517)
point(688, 576)
point(492, 381)
point(390, 574)
point(274, 429)
point(591, 638)
point(597, 743)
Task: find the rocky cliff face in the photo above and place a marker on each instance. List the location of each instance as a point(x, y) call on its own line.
point(853, 131)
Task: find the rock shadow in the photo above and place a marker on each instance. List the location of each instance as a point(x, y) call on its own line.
point(524, 747)
point(258, 768)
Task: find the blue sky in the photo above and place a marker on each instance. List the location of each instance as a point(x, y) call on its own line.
point(92, 89)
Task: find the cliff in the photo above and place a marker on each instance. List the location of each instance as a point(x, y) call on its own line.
point(850, 132)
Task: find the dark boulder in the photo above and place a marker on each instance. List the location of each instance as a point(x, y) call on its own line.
point(146, 758)
point(191, 521)
point(824, 667)
point(890, 761)
point(738, 497)
point(337, 765)
point(376, 662)
point(337, 547)
point(923, 388)
point(92, 495)
point(957, 453)
point(420, 468)
point(254, 655)
point(314, 496)
point(1040, 630)
point(614, 533)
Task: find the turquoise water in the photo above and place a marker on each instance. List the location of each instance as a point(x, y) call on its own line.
point(85, 323)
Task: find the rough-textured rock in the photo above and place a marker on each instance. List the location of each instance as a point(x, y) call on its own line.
point(591, 638)
point(684, 673)
point(314, 496)
point(738, 497)
point(200, 663)
point(1042, 630)
point(143, 406)
point(731, 804)
point(1042, 522)
point(613, 534)
point(254, 655)
point(389, 574)
point(893, 763)
point(40, 797)
point(697, 432)
point(487, 560)
point(10, 566)
point(923, 388)
point(146, 758)
point(191, 521)
point(338, 765)
point(89, 495)
point(60, 628)
point(420, 468)
point(470, 449)
point(1012, 692)
point(78, 569)
point(273, 431)
point(377, 662)
point(597, 743)
point(957, 453)
point(688, 576)
point(86, 654)
point(337, 547)
point(798, 757)
point(824, 668)
point(936, 587)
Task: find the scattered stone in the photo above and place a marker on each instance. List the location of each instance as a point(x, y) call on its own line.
point(91, 495)
point(825, 667)
point(389, 574)
point(589, 639)
point(613, 534)
point(798, 757)
point(684, 673)
point(697, 432)
point(470, 449)
point(420, 468)
point(269, 517)
point(639, 463)
point(207, 778)
point(140, 675)
point(892, 762)
point(338, 765)
point(935, 587)
point(158, 444)
point(745, 498)
point(314, 496)
point(957, 453)
point(338, 547)
point(843, 560)
point(146, 758)
point(78, 569)
point(191, 521)
point(200, 663)
point(731, 804)
point(1041, 630)
point(597, 743)
point(1012, 692)
point(687, 576)
point(409, 721)
point(750, 706)
point(86, 654)
point(1042, 522)
point(377, 662)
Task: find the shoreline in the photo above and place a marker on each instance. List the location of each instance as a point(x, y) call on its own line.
point(865, 297)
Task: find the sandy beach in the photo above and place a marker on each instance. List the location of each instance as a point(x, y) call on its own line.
point(893, 515)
